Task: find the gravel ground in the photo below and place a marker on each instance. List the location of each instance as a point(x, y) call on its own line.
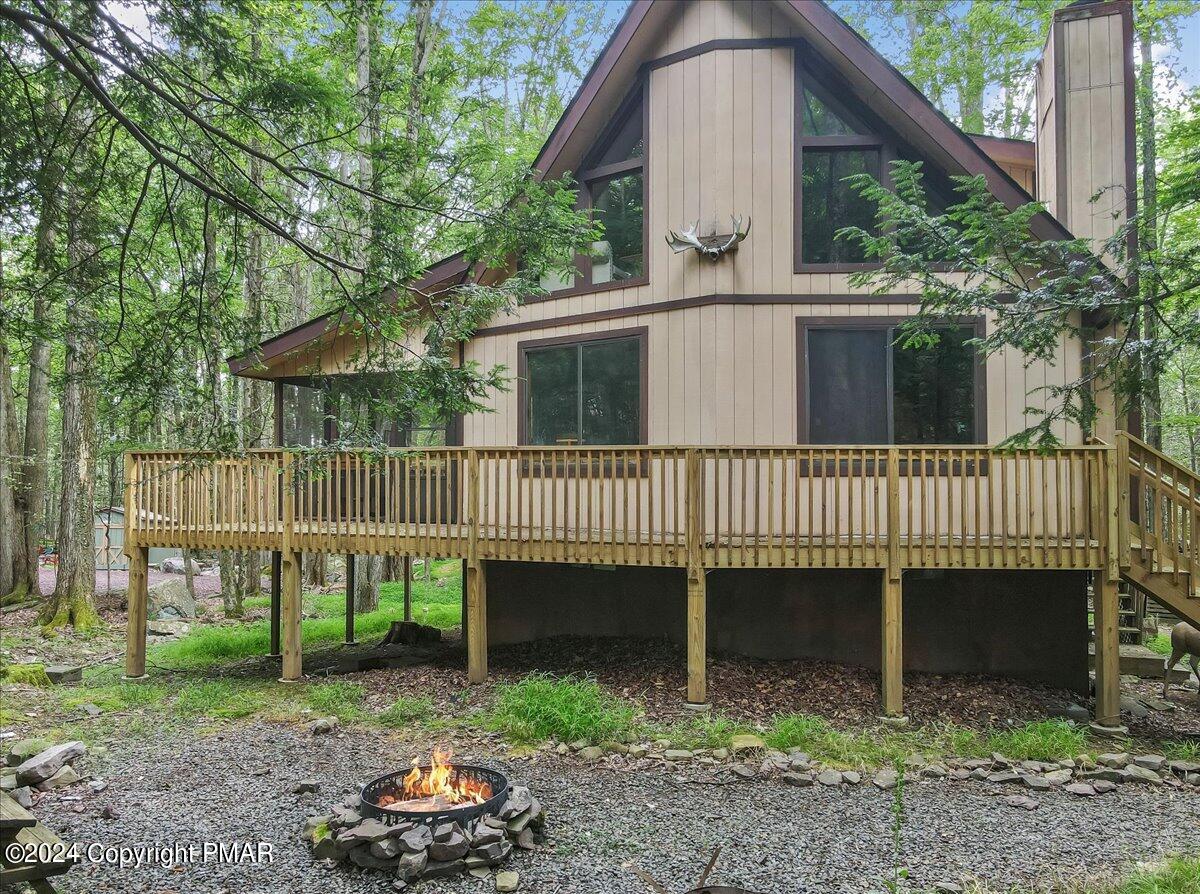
point(235, 785)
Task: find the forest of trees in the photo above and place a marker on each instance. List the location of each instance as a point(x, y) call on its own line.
point(181, 178)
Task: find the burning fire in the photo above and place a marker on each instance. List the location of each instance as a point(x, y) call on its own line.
point(440, 787)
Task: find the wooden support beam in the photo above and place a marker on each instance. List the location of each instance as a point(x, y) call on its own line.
point(291, 593)
point(697, 643)
point(276, 590)
point(1108, 670)
point(406, 567)
point(476, 625)
point(350, 572)
point(138, 596)
point(892, 664)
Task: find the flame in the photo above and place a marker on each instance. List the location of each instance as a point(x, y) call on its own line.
point(439, 787)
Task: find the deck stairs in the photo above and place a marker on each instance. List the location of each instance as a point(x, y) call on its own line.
point(1160, 528)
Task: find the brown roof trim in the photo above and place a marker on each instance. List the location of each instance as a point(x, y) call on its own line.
point(332, 321)
point(911, 102)
point(1006, 150)
point(591, 84)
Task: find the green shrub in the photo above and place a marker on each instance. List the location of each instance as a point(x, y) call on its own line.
point(1158, 643)
point(406, 712)
point(543, 707)
point(1040, 740)
point(1177, 876)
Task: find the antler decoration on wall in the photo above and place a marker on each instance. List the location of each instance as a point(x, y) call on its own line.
point(711, 247)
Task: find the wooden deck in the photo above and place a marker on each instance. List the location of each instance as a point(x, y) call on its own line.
point(694, 508)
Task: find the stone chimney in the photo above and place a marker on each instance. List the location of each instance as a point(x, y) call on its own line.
point(1085, 118)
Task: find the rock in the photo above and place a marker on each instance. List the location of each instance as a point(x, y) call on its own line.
point(1134, 707)
point(562, 748)
point(493, 853)
point(1117, 761)
point(720, 754)
point(45, 764)
point(885, 780)
point(1076, 712)
point(1004, 777)
point(387, 849)
point(64, 777)
point(1107, 774)
point(108, 812)
point(1190, 779)
point(1183, 768)
point(9, 780)
point(829, 777)
point(443, 868)
point(517, 824)
point(578, 745)
point(934, 771)
point(169, 600)
point(64, 673)
point(638, 751)
point(591, 753)
point(746, 742)
point(979, 774)
point(800, 780)
point(327, 848)
point(1156, 704)
point(507, 881)
point(453, 848)
point(367, 832)
point(23, 796)
point(92, 710)
point(313, 824)
point(1155, 762)
point(323, 726)
point(915, 762)
point(520, 799)
point(416, 840)
point(1000, 762)
point(480, 872)
point(341, 817)
point(960, 774)
point(363, 856)
point(445, 831)
point(412, 864)
point(23, 749)
point(1104, 786)
point(851, 777)
point(741, 770)
point(1037, 783)
point(156, 627)
point(677, 754)
point(1141, 774)
point(175, 565)
point(1021, 801)
point(527, 840)
point(1059, 777)
point(1082, 789)
point(306, 787)
point(485, 834)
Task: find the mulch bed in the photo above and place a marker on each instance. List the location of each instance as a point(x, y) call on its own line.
point(653, 674)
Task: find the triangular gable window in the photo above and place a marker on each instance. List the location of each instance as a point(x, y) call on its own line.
point(624, 142)
point(823, 119)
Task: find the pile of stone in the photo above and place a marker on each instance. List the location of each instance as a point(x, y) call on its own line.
point(413, 852)
point(36, 765)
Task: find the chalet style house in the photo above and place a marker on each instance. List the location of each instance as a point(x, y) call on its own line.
point(734, 453)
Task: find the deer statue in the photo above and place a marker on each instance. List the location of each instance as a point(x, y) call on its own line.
point(1185, 640)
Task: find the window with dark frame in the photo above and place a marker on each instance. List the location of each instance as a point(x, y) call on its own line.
point(833, 144)
point(861, 387)
point(612, 184)
point(584, 393)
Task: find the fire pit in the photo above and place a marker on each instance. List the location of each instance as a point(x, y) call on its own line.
point(436, 820)
point(433, 793)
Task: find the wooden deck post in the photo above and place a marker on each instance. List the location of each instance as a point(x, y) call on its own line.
point(1108, 670)
point(477, 662)
point(350, 571)
point(475, 626)
point(892, 663)
point(406, 567)
point(292, 662)
point(135, 631)
point(697, 595)
point(697, 642)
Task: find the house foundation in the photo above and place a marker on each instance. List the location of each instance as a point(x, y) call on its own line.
point(1029, 625)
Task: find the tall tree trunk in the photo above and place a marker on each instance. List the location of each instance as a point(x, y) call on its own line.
point(31, 491)
point(1148, 232)
point(368, 568)
point(73, 600)
point(11, 534)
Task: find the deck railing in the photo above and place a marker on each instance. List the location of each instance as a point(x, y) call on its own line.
point(717, 507)
point(1163, 510)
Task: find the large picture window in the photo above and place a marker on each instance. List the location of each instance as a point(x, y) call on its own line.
point(858, 386)
point(584, 391)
